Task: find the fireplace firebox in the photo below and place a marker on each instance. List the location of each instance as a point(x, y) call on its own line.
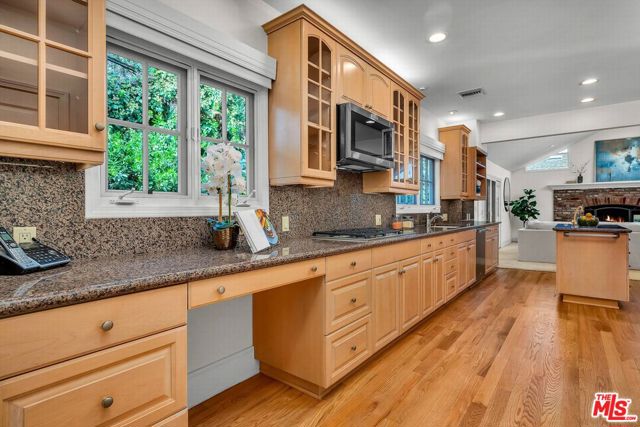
point(615, 213)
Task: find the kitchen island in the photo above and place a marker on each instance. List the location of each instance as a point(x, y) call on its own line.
point(593, 264)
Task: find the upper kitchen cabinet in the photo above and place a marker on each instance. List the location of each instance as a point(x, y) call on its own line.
point(318, 67)
point(362, 84)
point(455, 182)
point(405, 175)
point(52, 80)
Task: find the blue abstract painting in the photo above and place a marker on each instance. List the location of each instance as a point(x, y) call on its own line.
point(618, 160)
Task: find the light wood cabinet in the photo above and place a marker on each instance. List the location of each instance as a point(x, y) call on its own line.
point(471, 263)
point(52, 81)
point(454, 176)
point(347, 348)
point(307, 89)
point(348, 299)
point(137, 383)
point(438, 279)
point(428, 284)
point(410, 292)
point(362, 84)
point(451, 285)
point(462, 270)
point(302, 113)
point(385, 317)
point(478, 172)
point(404, 178)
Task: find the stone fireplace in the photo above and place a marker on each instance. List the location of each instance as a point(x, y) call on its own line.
point(607, 203)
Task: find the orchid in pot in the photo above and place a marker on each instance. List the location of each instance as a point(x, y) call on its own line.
point(224, 172)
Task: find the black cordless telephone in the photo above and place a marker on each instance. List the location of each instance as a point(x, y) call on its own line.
point(27, 257)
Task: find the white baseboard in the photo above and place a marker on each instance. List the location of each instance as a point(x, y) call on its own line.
point(212, 379)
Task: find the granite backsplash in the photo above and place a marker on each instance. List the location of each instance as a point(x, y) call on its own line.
point(51, 198)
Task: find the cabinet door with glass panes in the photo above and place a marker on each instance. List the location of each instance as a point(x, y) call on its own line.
point(318, 106)
point(412, 167)
point(52, 79)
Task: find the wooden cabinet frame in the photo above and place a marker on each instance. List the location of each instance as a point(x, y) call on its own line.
point(40, 142)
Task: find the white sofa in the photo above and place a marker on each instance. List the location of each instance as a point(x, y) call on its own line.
point(537, 242)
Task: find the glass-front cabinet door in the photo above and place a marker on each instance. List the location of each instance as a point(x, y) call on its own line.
point(319, 105)
point(52, 78)
point(413, 144)
point(399, 129)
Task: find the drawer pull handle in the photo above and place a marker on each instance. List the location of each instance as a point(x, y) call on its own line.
point(107, 402)
point(402, 271)
point(353, 300)
point(107, 325)
point(353, 263)
point(314, 268)
point(221, 290)
point(354, 347)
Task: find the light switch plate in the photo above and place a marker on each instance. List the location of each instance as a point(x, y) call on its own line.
point(285, 223)
point(445, 217)
point(24, 234)
point(378, 219)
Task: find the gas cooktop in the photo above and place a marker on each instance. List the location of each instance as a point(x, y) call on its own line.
point(355, 234)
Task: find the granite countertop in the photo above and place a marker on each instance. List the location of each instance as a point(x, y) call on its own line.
point(87, 280)
point(601, 228)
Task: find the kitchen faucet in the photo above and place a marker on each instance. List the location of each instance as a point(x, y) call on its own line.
point(431, 220)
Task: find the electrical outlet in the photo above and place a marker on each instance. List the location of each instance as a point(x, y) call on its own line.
point(378, 219)
point(285, 223)
point(445, 217)
point(24, 234)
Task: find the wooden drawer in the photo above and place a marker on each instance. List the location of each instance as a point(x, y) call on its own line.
point(181, 419)
point(384, 255)
point(492, 230)
point(145, 379)
point(346, 349)
point(431, 244)
point(465, 236)
point(450, 239)
point(450, 283)
point(450, 266)
point(451, 252)
point(209, 291)
point(347, 300)
point(39, 339)
point(346, 264)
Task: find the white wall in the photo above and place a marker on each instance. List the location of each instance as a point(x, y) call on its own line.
point(579, 153)
point(498, 173)
point(221, 335)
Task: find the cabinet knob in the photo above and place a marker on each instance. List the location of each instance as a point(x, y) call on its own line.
point(99, 126)
point(402, 271)
point(107, 325)
point(353, 300)
point(353, 263)
point(107, 402)
point(354, 347)
point(221, 290)
point(314, 268)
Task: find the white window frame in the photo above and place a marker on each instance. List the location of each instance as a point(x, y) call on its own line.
point(545, 157)
point(99, 203)
point(433, 149)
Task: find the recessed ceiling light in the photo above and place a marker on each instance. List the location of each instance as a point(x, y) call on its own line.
point(498, 114)
point(452, 112)
point(437, 37)
point(587, 99)
point(589, 81)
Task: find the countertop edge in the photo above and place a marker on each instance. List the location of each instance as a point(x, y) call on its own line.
point(33, 304)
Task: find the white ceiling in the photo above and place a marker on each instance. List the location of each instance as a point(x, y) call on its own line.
point(528, 55)
point(513, 155)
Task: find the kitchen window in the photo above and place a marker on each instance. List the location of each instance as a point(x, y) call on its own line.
point(163, 112)
point(427, 200)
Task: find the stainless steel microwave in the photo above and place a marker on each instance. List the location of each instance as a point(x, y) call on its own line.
point(365, 140)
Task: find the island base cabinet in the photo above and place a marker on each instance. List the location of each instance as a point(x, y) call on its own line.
point(593, 265)
point(133, 384)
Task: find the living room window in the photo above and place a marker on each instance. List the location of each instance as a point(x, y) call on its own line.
point(556, 161)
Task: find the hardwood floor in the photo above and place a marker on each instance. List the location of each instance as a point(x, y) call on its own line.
point(505, 353)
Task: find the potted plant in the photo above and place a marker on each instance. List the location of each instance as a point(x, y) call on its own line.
point(524, 208)
point(580, 170)
point(224, 172)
